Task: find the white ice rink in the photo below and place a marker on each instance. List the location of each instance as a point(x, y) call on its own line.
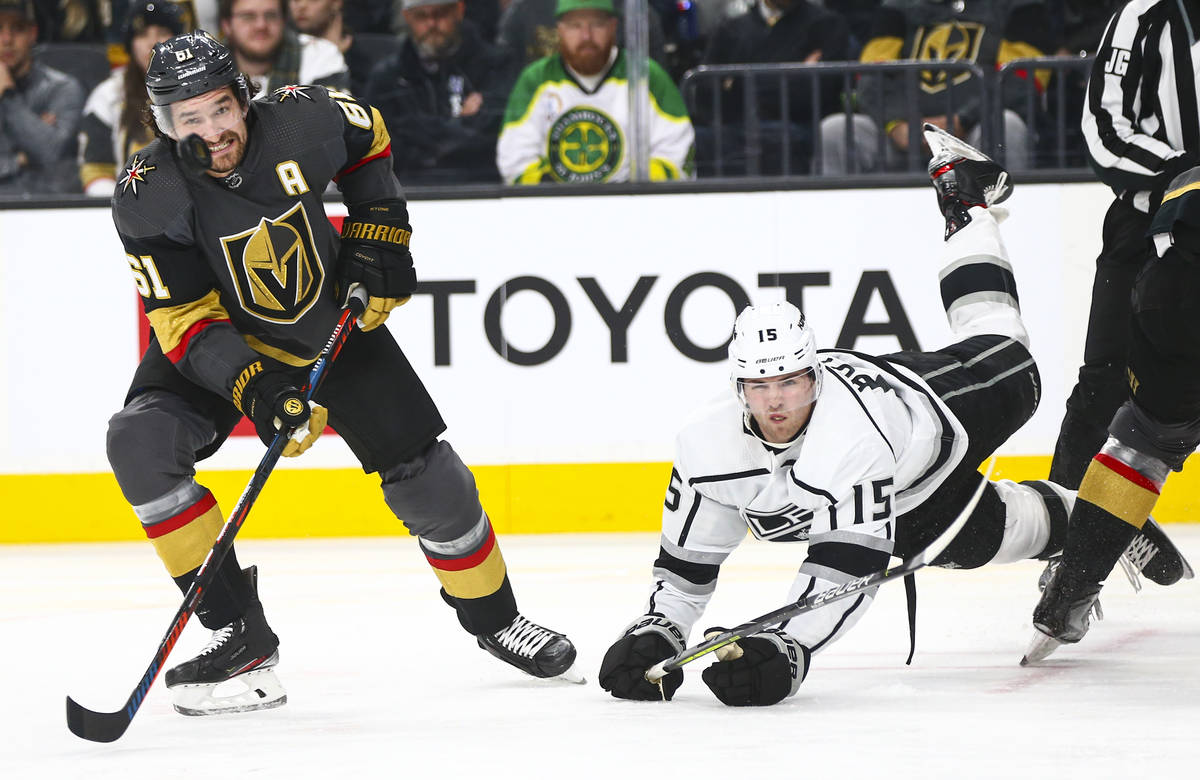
point(382, 683)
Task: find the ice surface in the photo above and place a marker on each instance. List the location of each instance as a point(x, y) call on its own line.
point(383, 683)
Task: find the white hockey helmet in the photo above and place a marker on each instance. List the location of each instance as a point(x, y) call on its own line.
point(772, 341)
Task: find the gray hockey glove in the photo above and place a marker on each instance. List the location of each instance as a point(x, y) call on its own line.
point(645, 642)
point(766, 668)
point(375, 254)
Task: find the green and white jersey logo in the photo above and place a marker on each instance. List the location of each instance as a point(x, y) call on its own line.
point(584, 145)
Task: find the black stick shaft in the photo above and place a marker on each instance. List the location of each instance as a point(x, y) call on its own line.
point(109, 726)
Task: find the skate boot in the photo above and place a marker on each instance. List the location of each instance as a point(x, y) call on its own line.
point(242, 654)
point(964, 177)
point(533, 649)
point(1064, 613)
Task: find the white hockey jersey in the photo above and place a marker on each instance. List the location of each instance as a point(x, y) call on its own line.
point(557, 130)
point(879, 442)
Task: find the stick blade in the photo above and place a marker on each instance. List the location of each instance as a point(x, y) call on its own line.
point(95, 726)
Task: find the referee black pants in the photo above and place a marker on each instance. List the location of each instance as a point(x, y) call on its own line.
point(1102, 386)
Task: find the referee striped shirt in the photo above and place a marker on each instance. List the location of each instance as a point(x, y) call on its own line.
point(1141, 120)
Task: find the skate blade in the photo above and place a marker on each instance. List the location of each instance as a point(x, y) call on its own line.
point(944, 144)
point(1040, 648)
point(258, 690)
point(572, 675)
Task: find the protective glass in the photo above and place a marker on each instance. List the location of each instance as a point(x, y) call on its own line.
point(779, 396)
point(206, 118)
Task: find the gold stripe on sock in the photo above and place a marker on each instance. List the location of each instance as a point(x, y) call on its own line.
point(1116, 493)
point(185, 548)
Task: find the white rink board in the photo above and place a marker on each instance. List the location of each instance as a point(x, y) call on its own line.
point(70, 313)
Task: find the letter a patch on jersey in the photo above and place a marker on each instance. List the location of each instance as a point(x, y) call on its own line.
point(275, 266)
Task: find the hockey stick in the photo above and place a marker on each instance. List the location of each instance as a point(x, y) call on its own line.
point(919, 561)
point(109, 726)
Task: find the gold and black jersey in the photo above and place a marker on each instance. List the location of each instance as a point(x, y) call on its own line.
point(254, 249)
point(985, 33)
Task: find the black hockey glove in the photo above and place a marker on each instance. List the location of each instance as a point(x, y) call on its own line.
point(647, 641)
point(769, 667)
point(273, 403)
point(375, 254)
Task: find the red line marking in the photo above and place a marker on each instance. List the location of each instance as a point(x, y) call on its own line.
point(1042, 672)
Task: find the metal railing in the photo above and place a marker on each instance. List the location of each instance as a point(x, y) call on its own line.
point(797, 97)
point(1052, 114)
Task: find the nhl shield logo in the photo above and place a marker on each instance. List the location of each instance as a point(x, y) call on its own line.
point(275, 266)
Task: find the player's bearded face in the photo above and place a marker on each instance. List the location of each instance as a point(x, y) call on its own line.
point(585, 40)
point(218, 118)
point(780, 405)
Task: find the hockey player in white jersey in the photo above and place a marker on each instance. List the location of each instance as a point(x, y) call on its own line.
point(864, 457)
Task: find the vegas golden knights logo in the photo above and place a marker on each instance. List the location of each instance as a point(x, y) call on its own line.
point(948, 41)
point(275, 266)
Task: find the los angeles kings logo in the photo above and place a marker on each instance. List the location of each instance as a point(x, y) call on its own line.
point(275, 266)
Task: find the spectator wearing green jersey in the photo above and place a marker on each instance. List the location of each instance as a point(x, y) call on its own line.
point(567, 117)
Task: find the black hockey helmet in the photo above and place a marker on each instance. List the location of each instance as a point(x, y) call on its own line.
point(186, 66)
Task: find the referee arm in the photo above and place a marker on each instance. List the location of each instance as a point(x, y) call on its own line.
point(1124, 155)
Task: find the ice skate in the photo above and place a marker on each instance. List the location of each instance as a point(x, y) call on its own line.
point(234, 672)
point(1153, 555)
point(534, 650)
point(1064, 613)
point(964, 177)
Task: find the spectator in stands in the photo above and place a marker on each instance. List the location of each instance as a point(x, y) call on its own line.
point(442, 97)
point(529, 29)
point(274, 56)
point(1080, 23)
point(71, 21)
point(374, 16)
point(39, 111)
point(774, 31)
point(987, 33)
point(484, 14)
point(567, 116)
point(112, 127)
point(327, 19)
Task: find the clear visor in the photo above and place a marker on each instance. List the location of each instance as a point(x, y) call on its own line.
point(204, 115)
point(780, 395)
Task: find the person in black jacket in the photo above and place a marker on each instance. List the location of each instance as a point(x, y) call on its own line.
point(443, 97)
point(790, 31)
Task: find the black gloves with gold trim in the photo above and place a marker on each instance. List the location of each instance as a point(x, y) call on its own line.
point(375, 254)
point(272, 402)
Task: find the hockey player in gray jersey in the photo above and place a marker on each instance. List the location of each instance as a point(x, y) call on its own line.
point(864, 457)
point(242, 277)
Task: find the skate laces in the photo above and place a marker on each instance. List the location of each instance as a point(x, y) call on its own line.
point(524, 637)
point(1135, 558)
point(218, 639)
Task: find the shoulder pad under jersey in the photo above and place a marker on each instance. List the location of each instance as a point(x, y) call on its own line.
point(151, 192)
point(297, 112)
